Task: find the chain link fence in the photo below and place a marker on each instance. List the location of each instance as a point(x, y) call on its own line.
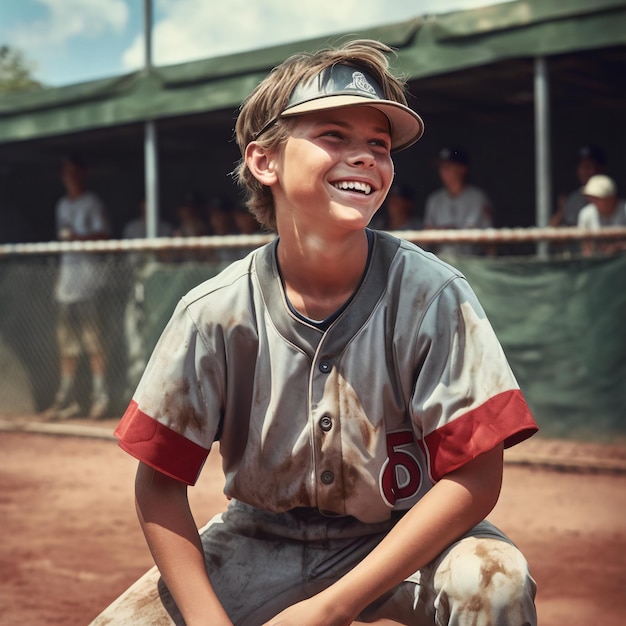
point(139, 295)
point(146, 278)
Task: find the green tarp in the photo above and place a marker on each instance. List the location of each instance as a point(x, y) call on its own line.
point(561, 323)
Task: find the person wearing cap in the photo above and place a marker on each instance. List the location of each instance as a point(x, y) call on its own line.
point(604, 209)
point(360, 398)
point(458, 204)
point(591, 160)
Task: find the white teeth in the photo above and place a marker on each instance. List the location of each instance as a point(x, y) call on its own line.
point(355, 186)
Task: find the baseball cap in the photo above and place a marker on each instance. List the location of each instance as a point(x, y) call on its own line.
point(342, 85)
point(453, 155)
point(600, 186)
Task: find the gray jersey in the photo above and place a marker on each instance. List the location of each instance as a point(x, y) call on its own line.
point(406, 385)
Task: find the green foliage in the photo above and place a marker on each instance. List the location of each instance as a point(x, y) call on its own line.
point(16, 72)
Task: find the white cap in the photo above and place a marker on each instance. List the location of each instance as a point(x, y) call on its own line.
point(600, 186)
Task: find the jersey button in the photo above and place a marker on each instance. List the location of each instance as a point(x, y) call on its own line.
point(326, 423)
point(324, 367)
point(327, 477)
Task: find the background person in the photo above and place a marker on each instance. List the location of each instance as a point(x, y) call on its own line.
point(604, 209)
point(457, 204)
point(137, 229)
point(190, 216)
point(591, 161)
point(398, 211)
point(221, 222)
point(80, 216)
point(191, 222)
point(245, 222)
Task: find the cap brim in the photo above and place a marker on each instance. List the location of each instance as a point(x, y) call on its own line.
point(406, 125)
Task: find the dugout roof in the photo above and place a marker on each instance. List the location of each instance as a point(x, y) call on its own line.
point(428, 47)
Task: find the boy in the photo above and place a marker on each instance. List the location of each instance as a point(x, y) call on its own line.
point(359, 396)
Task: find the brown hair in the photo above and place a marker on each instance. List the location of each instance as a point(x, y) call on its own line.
point(270, 97)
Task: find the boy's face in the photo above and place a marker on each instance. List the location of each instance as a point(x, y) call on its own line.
point(335, 169)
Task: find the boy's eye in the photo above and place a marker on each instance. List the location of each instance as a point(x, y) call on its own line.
point(381, 143)
point(377, 142)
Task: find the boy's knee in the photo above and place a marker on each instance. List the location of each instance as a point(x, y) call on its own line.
point(485, 581)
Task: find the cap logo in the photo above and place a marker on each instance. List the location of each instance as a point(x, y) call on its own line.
point(360, 83)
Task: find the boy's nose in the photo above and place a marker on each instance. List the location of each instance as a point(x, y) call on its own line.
point(362, 156)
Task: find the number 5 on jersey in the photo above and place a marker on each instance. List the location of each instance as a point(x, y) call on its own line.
point(400, 476)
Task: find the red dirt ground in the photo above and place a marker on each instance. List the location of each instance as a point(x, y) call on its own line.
point(70, 542)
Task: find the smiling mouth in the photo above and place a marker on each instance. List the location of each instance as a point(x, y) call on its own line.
point(353, 185)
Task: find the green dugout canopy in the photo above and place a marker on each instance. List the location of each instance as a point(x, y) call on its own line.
point(529, 80)
point(427, 47)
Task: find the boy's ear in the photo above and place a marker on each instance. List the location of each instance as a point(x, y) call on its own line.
point(261, 162)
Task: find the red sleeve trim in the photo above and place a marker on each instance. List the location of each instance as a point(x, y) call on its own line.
point(160, 447)
point(503, 418)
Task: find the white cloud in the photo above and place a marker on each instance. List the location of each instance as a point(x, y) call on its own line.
point(68, 19)
point(75, 40)
point(193, 29)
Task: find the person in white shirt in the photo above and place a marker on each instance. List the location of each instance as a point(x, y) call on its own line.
point(457, 204)
point(591, 161)
point(80, 216)
point(604, 209)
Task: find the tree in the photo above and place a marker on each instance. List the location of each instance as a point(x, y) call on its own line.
point(16, 72)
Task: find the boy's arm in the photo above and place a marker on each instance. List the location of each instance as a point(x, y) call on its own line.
point(452, 507)
point(173, 539)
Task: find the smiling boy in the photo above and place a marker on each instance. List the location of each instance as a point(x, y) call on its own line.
point(359, 396)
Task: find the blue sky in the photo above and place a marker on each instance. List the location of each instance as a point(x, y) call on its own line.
point(70, 41)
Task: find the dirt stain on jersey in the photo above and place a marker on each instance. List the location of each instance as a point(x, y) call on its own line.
point(179, 409)
point(351, 408)
point(277, 483)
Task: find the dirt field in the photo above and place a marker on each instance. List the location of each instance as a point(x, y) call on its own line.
point(70, 542)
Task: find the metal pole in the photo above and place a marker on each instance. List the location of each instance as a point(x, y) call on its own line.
point(151, 156)
point(543, 191)
point(151, 164)
point(147, 34)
